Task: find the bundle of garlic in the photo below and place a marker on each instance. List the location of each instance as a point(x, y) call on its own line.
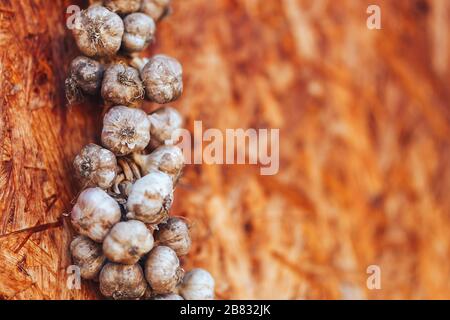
point(126, 240)
point(102, 32)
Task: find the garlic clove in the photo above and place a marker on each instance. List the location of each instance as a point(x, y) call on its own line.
point(88, 256)
point(197, 284)
point(125, 130)
point(175, 235)
point(94, 214)
point(163, 79)
point(122, 85)
point(140, 31)
point(122, 282)
point(162, 270)
point(99, 32)
point(151, 198)
point(167, 159)
point(127, 242)
point(95, 166)
point(165, 124)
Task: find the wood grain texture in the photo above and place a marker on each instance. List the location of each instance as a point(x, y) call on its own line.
point(39, 137)
point(365, 136)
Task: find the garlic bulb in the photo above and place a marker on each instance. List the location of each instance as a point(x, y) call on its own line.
point(85, 77)
point(127, 242)
point(87, 73)
point(198, 284)
point(175, 235)
point(165, 124)
point(122, 282)
point(167, 159)
point(140, 31)
point(156, 9)
point(95, 213)
point(123, 6)
point(99, 32)
point(88, 256)
point(170, 296)
point(95, 166)
point(163, 79)
point(151, 198)
point(162, 270)
point(125, 130)
point(122, 85)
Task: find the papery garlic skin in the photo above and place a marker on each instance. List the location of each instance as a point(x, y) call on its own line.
point(94, 214)
point(99, 32)
point(170, 296)
point(167, 159)
point(122, 282)
point(165, 128)
point(87, 73)
point(123, 6)
point(197, 284)
point(122, 85)
point(140, 31)
point(175, 235)
point(125, 130)
point(155, 8)
point(85, 77)
point(151, 198)
point(148, 295)
point(95, 167)
point(162, 270)
point(88, 256)
point(163, 79)
point(127, 242)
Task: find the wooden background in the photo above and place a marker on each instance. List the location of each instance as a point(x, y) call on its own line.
point(365, 136)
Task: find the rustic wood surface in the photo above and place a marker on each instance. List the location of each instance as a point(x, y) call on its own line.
point(365, 137)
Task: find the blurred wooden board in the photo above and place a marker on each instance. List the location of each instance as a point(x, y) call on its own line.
point(364, 119)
